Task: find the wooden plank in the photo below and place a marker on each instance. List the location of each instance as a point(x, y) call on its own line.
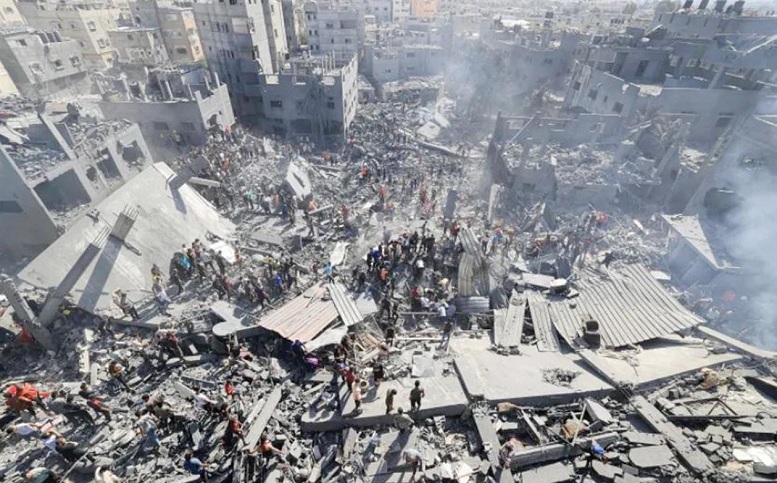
point(694, 459)
point(260, 423)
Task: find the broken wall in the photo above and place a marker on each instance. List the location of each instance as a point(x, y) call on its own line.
point(27, 226)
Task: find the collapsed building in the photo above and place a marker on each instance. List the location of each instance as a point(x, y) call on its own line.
point(173, 108)
point(437, 297)
point(58, 163)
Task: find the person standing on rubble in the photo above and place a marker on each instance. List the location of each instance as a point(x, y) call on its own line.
point(233, 431)
point(415, 459)
point(195, 466)
point(221, 262)
point(378, 374)
point(447, 330)
point(126, 306)
point(117, 372)
point(416, 395)
point(329, 272)
point(390, 395)
point(147, 426)
point(160, 294)
point(356, 389)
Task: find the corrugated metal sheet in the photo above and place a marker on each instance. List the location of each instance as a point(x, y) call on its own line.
point(469, 242)
point(472, 275)
point(547, 340)
point(508, 323)
point(631, 307)
point(304, 317)
point(345, 305)
point(472, 305)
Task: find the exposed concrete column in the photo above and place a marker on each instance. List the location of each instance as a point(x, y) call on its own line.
point(715, 80)
point(25, 316)
point(57, 296)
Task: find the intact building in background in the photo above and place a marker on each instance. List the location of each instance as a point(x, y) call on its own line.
point(241, 41)
point(9, 14)
point(177, 28)
point(41, 63)
point(86, 22)
point(332, 28)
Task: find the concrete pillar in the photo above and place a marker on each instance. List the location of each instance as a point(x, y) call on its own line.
point(126, 88)
point(715, 80)
point(216, 80)
point(166, 90)
point(24, 315)
point(57, 296)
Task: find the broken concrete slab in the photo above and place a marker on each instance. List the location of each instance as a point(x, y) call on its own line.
point(694, 459)
point(552, 473)
point(651, 456)
point(648, 439)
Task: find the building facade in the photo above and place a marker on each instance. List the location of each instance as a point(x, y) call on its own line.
point(332, 28)
point(242, 40)
point(317, 101)
point(177, 26)
point(173, 109)
point(87, 22)
point(41, 63)
point(138, 46)
point(423, 8)
point(9, 14)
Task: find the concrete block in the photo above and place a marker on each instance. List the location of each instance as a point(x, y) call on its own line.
point(606, 471)
point(553, 473)
point(651, 456)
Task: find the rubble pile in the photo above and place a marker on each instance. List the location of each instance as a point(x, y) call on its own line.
point(371, 316)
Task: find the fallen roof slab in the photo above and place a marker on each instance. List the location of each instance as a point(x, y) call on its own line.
point(166, 218)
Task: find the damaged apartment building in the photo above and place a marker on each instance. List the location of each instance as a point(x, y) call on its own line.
point(42, 63)
point(173, 107)
point(420, 49)
point(706, 80)
point(55, 164)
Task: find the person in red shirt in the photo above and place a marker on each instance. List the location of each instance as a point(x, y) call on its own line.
point(234, 430)
point(229, 388)
point(349, 376)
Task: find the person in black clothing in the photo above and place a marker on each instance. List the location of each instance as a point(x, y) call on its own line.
point(378, 374)
point(70, 450)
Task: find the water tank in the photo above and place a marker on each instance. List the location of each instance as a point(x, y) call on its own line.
point(703, 4)
point(720, 5)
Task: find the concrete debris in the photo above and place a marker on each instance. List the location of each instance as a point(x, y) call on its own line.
point(414, 287)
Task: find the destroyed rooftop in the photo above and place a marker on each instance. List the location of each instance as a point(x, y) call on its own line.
point(550, 274)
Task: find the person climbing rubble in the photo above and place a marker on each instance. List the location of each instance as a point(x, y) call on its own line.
point(121, 300)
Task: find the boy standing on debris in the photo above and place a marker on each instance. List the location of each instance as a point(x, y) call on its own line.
point(390, 400)
point(416, 394)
